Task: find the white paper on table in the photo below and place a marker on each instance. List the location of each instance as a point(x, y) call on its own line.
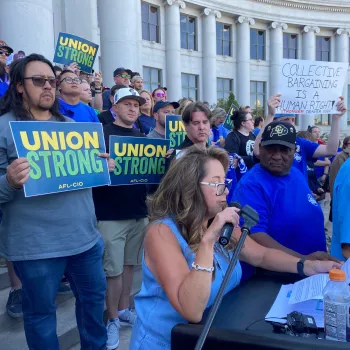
point(309, 288)
point(281, 307)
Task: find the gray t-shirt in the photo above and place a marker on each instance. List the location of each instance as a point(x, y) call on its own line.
point(49, 226)
point(155, 135)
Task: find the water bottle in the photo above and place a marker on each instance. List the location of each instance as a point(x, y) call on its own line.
point(336, 300)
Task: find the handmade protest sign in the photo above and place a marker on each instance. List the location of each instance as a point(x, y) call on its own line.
point(174, 130)
point(138, 160)
point(311, 87)
point(228, 123)
point(71, 48)
point(62, 156)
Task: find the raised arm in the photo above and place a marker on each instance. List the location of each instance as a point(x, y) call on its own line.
point(333, 141)
point(272, 103)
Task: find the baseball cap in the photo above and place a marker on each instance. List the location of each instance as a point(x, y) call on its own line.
point(279, 133)
point(3, 45)
point(128, 93)
point(288, 115)
point(161, 104)
point(121, 70)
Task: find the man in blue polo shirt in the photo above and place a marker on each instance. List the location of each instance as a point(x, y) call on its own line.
point(340, 247)
point(70, 105)
point(290, 218)
point(306, 151)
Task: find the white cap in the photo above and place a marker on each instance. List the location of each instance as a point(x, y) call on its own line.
point(128, 93)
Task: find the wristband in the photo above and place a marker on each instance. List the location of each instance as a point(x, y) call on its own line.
point(200, 268)
point(325, 174)
point(300, 268)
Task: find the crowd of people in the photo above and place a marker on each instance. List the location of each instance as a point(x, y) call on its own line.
point(88, 242)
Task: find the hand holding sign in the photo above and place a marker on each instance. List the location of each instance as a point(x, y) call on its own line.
point(18, 172)
point(74, 68)
point(98, 80)
point(273, 103)
point(111, 162)
point(340, 107)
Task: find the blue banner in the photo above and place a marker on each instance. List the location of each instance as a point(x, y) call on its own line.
point(71, 48)
point(62, 156)
point(139, 160)
point(174, 130)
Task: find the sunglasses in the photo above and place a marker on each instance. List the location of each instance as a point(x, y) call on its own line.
point(124, 75)
point(40, 82)
point(159, 94)
point(69, 80)
point(4, 53)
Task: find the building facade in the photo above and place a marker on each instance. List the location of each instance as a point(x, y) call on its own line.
point(198, 48)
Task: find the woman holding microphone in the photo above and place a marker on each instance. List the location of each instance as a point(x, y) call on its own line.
point(183, 265)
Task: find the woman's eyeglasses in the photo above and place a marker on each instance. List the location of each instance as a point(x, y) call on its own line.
point(159, 94)
point(220, 186)
point(40, 82)
point(2, 52)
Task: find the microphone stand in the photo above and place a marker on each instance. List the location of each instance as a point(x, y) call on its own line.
point(250, 219)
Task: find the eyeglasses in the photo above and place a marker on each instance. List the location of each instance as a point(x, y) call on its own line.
point(124, 75)
point(69, 80)
point(40, 82)
point(220, 186)
point(159, 94)
point(6, 53)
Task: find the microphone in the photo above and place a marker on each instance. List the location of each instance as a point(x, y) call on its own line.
point(227, 229)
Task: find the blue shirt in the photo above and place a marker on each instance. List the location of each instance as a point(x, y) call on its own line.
point(341, 211)
point(288, 212)
point(79, 112)
point(304, 152)
point(148, 123)
point(256, 131)
point(155, 315)
point(218, 131)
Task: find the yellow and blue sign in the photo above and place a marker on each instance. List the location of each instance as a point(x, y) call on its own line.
point(138, 160)
point(71, 48)
point(228, 123)
point(174, 130)
point(62, 156)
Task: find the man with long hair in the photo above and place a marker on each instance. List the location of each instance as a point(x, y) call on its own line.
point(49, 235)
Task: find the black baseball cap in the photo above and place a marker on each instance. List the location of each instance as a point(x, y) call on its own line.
point(121, 70)
point(279, 133)
point(161, 104)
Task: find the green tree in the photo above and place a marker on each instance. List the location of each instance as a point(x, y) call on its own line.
point(227, 103)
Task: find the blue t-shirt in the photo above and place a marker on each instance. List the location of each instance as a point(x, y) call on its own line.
point(3, 88)
point(256, 131)
point(79, 112)
point(218, 131)
point(304, 152)
point(319, 170)
point(288, 212)
point(341, 211)
point(148, 123)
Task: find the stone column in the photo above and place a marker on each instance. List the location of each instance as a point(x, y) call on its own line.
point(276, 54)
point(28, 26)
point(309, 53)
point(209, 55)
point(173, 48)
point(120, 35)
point(243, 59)
point(342, 55)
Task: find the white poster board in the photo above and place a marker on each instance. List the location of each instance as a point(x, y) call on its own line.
point(311, 87)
